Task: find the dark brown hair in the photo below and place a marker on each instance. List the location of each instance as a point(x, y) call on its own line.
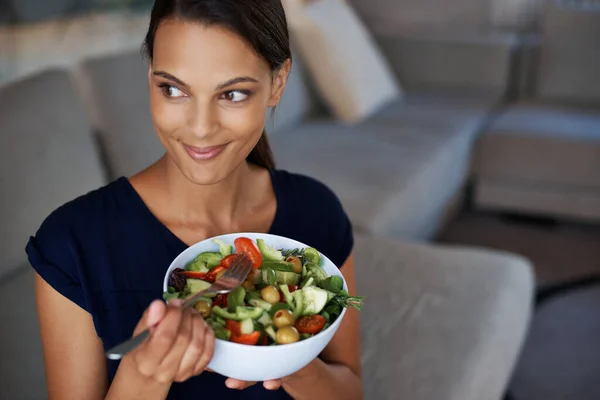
point(261, 23)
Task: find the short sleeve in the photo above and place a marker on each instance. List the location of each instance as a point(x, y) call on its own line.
point(51, 254)
point(316, 204)
point(340, 230)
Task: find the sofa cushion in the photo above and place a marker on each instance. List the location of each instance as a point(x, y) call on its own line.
point(48, 157)
point(298, 101)
point(434, 57)
point(569, 54)
point(22, 368)
point(444, 109)
point(440, 322)
point(542, 145)
point(392, 179)
point(349, 70)
point(121, 116)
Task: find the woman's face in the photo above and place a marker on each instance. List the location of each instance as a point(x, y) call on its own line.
point(209, 94)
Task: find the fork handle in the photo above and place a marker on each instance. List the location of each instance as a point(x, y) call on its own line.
point(117, 352)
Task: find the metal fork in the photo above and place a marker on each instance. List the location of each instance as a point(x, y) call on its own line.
point(231, 279)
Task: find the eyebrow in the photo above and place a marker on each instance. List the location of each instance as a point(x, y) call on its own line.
point(220, 86)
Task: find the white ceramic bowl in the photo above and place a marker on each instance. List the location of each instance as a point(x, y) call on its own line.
point(261, 363)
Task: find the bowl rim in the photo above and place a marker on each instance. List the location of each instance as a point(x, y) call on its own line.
point(192, 249)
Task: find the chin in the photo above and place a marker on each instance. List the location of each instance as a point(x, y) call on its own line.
point(205, 176)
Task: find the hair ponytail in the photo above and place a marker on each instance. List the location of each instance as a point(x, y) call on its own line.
point(261, 154)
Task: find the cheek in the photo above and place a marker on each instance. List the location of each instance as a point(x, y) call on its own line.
point(247, 122)
point(167, 118)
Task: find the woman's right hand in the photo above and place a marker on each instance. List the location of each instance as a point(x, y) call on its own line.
point(180, 344)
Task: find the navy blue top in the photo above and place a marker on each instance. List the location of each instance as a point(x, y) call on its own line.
point(107, 252)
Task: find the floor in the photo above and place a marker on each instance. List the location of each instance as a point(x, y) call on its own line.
point(561, 358)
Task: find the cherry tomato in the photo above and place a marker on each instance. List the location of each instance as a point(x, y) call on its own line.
point(236, 333)
point(228, 260)
point(250, 339)
point(245, 245)
point(234, 327)
point(310, 324)
point(220, 300)
point(265, 340)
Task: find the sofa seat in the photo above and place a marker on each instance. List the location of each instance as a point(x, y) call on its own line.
point(541, 159)
point(440, 322)
point(442, 108)
point(393, 179)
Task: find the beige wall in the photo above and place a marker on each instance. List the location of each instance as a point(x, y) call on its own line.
point(28, 49)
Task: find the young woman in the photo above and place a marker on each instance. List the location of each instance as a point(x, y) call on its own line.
point(215, 68)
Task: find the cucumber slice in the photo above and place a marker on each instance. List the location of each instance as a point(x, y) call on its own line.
point(271, 332)
point(268, 252)
point(241, 313)
point(314, 300)
point(235, 298)
point(247, 326)
point(312, 255)
point(281, 277)
point(225, 249)
point(196, 285)
point(278, 266)
point(249, 312)
point(298, 296)
point(265, 320)
point(260, 303)
point(288, 296)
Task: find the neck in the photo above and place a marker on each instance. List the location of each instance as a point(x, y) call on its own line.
point(214, 204)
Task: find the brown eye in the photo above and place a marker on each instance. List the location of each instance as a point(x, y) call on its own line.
point(235, 96)
point(171, 91)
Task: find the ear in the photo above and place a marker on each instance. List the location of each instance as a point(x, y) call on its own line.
point(149, 75)
point(279, 81)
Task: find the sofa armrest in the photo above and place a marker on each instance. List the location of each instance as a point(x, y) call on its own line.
point(440, 322)
point(473, 61)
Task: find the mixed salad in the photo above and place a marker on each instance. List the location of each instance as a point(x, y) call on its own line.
point(286, 297)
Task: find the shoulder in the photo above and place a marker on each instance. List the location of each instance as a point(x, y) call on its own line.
point(54, 250)
point(315, 213)
point(83, 210)
point(308, 193)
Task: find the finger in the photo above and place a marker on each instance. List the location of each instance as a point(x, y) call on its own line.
point(151, 353)
point(237, 384)
point(152, 316)
point(209, 348)
point(194, 350)
point(169, 366)
point(272, 385)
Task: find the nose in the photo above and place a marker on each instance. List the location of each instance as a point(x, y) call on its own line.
point(203, 119)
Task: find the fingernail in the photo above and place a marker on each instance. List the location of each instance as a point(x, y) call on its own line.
point(176, 302)
point(231, 385)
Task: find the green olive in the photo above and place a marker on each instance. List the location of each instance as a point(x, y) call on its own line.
point(270, 294)
point(248, 285)
point(283, 318)
point(297, 263)
point(287, 334)
point(203, 308)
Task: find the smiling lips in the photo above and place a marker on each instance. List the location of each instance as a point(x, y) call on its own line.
point(203, 153)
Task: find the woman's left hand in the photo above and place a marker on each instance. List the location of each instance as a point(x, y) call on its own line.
point(269, 385)
point(241, 385)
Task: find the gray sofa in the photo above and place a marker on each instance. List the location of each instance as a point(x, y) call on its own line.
point(440, 322)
